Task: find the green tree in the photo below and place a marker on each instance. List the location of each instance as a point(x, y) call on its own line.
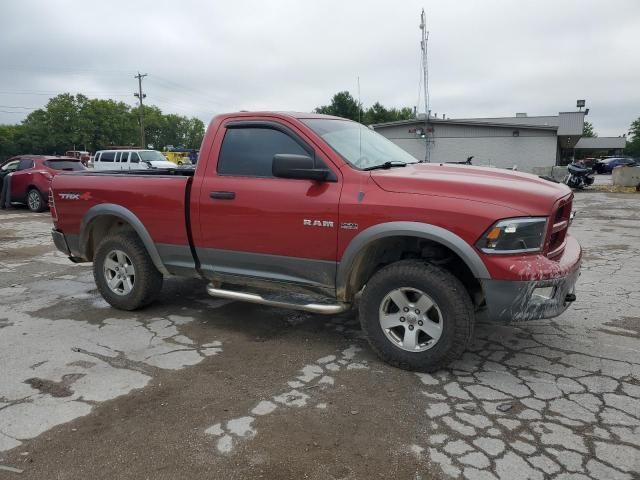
point(154, 126)
point(405, 113)
point(588, 131)
point(105, 123)
point(95, 124)
point(342, 105)
point(376, 114)
point(633, 145)
point(194, 133)
point(9, 135)
point(35, 137)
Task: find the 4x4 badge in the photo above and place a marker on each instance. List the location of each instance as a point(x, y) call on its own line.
point(349, 226)
point(75, 196)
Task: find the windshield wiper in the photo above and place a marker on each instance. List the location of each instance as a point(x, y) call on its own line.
point(386, 165)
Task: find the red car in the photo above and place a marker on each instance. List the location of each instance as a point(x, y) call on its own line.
point(322, 214)
point(32, 176)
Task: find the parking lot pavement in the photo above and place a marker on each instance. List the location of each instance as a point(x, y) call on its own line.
point(195, 387)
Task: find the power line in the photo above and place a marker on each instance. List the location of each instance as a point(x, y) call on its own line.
point(98, 94)
point(17, 106)
point(40, 68)
point(171, 84)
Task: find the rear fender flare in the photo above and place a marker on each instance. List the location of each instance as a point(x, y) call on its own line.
point(128, 217)
point(406, 229)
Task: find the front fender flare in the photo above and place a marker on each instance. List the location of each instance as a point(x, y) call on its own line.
point(131, 219)
point(406, 229)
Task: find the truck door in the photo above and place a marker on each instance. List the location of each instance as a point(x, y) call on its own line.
point(252, 224)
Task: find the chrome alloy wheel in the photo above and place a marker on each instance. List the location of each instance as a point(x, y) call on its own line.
point(119, 272)
point(410, 319)
point(34, 200)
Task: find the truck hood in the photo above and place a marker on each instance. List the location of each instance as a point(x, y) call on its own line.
point(527, 193)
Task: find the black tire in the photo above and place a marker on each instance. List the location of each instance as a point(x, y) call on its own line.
point(35, 200)
point(147, 281)
point(451, 298)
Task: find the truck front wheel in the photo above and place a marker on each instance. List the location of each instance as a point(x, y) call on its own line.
point(124, 273)
point(416, 316)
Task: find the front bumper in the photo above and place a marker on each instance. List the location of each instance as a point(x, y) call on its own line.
point(520, 301)
point(544, 288)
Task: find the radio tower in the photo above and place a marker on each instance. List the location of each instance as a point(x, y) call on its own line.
point(425, 81)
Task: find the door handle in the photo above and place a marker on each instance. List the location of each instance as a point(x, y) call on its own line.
point(223, 195)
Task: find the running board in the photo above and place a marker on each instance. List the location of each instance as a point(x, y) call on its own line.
point(326, 308)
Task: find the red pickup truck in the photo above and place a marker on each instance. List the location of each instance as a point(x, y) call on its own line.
point(318, 213)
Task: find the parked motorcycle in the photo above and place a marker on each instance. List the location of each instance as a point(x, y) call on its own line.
point(578, 177)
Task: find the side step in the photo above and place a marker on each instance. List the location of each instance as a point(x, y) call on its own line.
point(279, 301)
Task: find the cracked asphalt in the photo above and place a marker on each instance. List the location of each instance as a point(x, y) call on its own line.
point(195, 387)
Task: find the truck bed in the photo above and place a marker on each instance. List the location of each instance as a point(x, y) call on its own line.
point(158, 198)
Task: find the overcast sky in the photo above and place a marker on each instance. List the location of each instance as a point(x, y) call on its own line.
point(487, 58)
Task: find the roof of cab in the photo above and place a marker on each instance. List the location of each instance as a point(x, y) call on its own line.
point(268, 113)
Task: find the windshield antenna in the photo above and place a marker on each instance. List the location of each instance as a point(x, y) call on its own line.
point(425, 75)
point(359, 120)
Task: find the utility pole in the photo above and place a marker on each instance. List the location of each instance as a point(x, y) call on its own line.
point(425, 81)
point(141, 96)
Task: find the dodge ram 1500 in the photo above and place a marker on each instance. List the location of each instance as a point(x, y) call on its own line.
point(319, 213)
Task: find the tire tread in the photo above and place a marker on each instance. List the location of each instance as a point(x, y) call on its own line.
point(148, 279)
point(459, 308)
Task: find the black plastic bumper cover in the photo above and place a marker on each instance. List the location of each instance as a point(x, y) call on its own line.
point(518, 301)
point(60, 242)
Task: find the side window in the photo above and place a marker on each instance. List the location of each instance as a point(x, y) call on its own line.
point(11, 166)
point(118, 156)
point(249, 152)
point(134, 158)
point(25, 164)
point(125, 157)
point(107, 156)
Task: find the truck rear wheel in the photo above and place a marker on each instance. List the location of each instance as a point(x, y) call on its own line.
point(416, 316)
point(124, 273)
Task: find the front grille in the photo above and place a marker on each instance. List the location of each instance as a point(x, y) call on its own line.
point(559, 227)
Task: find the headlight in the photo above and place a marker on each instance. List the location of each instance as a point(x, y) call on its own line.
point(514, 235)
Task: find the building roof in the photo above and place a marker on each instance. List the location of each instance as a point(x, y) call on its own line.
point(542, 121)
point(480, 122)
point(602, 143)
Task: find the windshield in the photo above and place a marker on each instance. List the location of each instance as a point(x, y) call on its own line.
point(360, 146)
point(64, 164)
point(151, 155)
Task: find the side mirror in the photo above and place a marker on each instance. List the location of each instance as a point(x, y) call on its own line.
point(297, 166)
